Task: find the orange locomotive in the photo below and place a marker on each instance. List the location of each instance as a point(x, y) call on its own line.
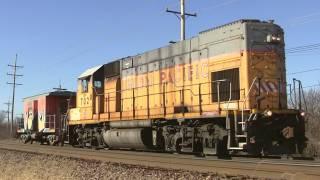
point(223, 91)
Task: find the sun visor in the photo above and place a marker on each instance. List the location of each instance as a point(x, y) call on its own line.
point(89, 72)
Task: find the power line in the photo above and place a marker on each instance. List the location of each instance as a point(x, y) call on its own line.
point(305, 71)
point(218, 5)
point(311, 86)
point(14, 84)
point(305, 48)
point(300, 49)
point(182, 16)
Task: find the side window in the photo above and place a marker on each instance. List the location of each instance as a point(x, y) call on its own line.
point(98, 84)
point(231, 75)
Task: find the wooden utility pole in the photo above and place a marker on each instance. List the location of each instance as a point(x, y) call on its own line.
point(182, 16)
point(14, 84)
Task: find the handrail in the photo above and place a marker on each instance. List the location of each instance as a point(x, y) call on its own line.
point(244, 102)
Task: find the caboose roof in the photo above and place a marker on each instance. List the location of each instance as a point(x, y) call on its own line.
point(53, 93)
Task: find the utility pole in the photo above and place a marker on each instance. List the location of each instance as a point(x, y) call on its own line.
point(182, 16)
point(14, 84)
point(8, 113)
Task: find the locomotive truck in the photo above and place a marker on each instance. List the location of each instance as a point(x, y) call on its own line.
point(220, 92)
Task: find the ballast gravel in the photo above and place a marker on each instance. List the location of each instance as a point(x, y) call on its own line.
point(16, 165)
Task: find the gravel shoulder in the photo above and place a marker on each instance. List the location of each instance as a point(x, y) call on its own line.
point(33, 166)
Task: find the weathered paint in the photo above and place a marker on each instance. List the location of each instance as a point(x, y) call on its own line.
point(180, 69)
point(38, 108)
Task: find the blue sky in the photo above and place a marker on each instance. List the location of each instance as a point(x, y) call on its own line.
point(58, 39)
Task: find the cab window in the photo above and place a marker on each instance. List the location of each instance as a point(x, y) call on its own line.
point(84, 85)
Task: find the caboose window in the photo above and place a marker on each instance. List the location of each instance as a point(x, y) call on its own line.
point(232, 75)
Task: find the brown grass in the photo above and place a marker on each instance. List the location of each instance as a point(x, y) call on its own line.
point(4, 133)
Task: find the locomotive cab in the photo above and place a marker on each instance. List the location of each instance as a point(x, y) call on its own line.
point(89, 95)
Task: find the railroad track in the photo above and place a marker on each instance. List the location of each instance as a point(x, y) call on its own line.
point(292, 169)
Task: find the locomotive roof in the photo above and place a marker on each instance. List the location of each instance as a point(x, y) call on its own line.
point(231, 23)
point(53, 93)
point(89, 72)
point(92, 70)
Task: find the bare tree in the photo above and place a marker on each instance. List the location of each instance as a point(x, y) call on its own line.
point(3, 125)
point(312, 97)
point(2, 116)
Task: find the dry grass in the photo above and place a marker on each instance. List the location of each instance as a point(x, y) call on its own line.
point(4, 133)
point(29, 166)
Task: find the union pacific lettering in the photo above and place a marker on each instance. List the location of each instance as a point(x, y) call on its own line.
point(177, 74)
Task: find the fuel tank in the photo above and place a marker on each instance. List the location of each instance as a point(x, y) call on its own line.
point(131, 124)
point(139, 138)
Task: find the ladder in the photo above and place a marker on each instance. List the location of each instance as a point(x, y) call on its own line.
point(236, 126)
point(65, 123)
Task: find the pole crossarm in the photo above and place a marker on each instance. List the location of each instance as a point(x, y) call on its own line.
point(17, 75)
point(15, 66)
point(178, 12)
point(16, 84)
point(182, 16)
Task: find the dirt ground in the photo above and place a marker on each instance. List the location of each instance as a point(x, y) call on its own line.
point(30, 166)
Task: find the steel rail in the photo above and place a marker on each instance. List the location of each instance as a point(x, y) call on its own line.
point(262, 168)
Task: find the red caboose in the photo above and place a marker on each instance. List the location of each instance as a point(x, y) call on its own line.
point(45, 115)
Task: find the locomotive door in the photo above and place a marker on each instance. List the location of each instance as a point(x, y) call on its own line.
point(113, 95)
point(118, 95)
point(98, 103)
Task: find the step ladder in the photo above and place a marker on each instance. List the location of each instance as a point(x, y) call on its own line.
point(236, 127)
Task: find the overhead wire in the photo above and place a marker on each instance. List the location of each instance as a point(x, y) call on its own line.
point(305, 71)
point(305, 48)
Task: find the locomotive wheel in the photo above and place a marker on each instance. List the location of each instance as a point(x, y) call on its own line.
point(24, 139)
point(222, 151)
point(51, 140)
point(178, 146)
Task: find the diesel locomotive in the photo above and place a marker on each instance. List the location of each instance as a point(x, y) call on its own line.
point(221, 92)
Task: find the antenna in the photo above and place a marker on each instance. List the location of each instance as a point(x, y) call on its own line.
point(60, 87)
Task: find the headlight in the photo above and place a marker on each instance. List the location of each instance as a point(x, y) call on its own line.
point(273, 38)
point(268, 113)
point(302, 113)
